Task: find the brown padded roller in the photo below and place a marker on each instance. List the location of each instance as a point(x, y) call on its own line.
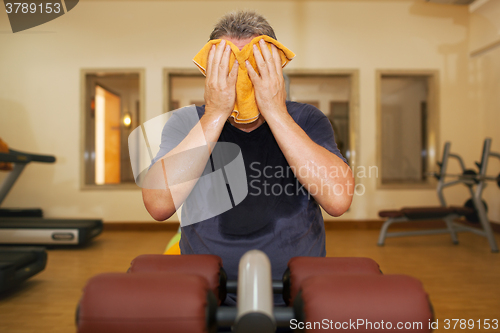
point(301, 268)
point(147, 302)
point(205, 265)
point(371, 298)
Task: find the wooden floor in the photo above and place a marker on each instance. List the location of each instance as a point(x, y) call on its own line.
point(463, 281)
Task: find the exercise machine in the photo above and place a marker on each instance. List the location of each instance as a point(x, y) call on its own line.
point(474, 210)
point(17, 264)
point(28, 227)
point(180, 294)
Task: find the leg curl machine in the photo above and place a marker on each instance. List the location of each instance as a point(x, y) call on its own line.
point(178, 294)
point(474, 210)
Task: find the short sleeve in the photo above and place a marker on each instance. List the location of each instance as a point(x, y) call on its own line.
point(316, 125)
point(177, 128)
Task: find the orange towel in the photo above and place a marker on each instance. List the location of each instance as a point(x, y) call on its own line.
point(245, 109)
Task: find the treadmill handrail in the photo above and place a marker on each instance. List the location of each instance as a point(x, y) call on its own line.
point(15, 156)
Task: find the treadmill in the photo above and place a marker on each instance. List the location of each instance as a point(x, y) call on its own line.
point(17, 264)
point(27, 226)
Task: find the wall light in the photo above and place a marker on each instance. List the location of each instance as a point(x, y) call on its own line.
point(127, 120)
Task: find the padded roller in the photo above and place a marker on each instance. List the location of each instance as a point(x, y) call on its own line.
point(301, 268)
point(206, 265)
point(364, 303)
point(146, 302)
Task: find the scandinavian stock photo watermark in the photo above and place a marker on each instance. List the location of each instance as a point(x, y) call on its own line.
point(262, 179)
point(170, 152)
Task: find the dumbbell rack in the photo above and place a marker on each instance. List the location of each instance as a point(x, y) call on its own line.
point(475, 184)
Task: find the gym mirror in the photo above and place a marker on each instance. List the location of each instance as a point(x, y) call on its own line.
point(407, 128)
point(111, 104)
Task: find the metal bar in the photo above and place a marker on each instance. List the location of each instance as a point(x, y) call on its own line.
point(483, 219)
point(385, 226)
point(232, 286)
point(462, 164)
point(451, 229)
point(255, 294)
point(226, 316)
point(465, 228)
point(9, 181)
point(283, 315)
point(444, 165)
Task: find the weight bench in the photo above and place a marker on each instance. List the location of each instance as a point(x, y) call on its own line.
point(162, 293)
point(475, 209)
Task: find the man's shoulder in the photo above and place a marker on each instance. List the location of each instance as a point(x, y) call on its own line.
point(303, 113)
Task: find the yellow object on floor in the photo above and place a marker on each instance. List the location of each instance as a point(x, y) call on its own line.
point(245, 108)
point(173, 245)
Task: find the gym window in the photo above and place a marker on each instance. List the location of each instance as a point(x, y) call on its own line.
point(407, 125)
point(112, 101)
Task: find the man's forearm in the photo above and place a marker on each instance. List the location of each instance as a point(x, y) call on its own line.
point(171, 179)
point(327, 177)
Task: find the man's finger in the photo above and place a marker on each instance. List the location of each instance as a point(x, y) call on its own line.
point(217, 58)
point(233, 75)
point(267, 57)
point(254, 77)
point(261, 64)
point(211, 55)
point(224, 64)
point(277, 60)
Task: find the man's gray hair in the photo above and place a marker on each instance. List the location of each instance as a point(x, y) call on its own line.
point(241, 25)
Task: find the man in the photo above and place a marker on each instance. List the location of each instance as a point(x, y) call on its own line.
point(292, 163)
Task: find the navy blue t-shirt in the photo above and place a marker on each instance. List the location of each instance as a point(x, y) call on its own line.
point(278, 216)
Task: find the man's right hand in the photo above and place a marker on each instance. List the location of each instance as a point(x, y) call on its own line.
point(220, 84)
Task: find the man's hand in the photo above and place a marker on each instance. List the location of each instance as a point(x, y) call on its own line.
point(300, 151)
point(220, 86)
point(270, 92)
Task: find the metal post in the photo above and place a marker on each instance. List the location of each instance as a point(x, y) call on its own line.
point(255, 294)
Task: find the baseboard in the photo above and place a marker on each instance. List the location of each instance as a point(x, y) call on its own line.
point(329, 225)
point(141, 226)
point(377, 224)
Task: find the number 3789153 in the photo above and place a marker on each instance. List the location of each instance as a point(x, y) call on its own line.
point(25, 8)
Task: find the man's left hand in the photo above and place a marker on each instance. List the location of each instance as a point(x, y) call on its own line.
point(270, 92)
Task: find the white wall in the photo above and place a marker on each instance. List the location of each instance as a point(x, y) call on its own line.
point(40, 83)
point(485, 87)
